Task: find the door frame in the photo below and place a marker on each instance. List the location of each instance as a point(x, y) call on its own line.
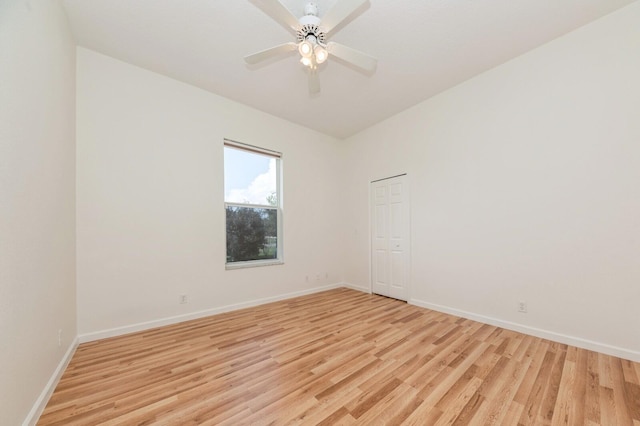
point(370, 239)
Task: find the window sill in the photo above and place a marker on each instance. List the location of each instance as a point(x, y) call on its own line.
point(252, 264)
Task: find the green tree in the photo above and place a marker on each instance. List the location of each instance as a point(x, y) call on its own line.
point(245, 233)
point(272, 199)
point(270, 217)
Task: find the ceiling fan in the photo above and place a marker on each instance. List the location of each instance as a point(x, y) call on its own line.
point(311, 38)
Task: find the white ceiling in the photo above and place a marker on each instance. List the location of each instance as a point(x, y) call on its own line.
point(423, 47)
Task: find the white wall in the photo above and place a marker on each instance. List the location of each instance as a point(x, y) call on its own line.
point(150, 214)
point(37, 207)
point(525, 186)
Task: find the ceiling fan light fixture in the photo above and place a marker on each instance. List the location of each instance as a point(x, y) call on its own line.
point(321, 54)
point(306, 49)
point(311, 37)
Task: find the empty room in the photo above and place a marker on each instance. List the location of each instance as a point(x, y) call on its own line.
point(334, 212)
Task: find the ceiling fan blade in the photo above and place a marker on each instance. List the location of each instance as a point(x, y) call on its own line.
point(339, 12)
point(352, 56)
point(314, 81)
point(269, 53)
point(279, 13)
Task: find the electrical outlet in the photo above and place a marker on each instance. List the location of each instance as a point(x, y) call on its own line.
point(522, 307)
point(59, 337)
point(183, 299)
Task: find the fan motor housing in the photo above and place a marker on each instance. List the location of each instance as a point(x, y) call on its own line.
point(307, 30)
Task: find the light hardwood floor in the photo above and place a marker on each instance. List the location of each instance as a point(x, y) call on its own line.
point(341, 357)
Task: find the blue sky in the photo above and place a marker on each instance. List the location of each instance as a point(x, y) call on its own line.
point(248, 177)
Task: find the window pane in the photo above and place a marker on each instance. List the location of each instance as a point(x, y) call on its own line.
point(249, 178)
point(252, 233)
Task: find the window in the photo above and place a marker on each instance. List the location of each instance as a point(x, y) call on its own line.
point(253, 204)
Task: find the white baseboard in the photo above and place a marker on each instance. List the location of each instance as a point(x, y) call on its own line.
point(41, 402)
point(119, 331)
point(356, 287)
point(533, 331)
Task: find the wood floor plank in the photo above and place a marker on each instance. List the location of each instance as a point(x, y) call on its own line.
point(622, 401)
point(452, 407)
point(424, 414)
point(545, 414)
point(536, 395)
point(329, 409)
point(341, 357)
point(500, 402)
point(388, 406)
point(592, 391)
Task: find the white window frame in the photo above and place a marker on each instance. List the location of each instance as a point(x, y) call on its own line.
point(279, 260)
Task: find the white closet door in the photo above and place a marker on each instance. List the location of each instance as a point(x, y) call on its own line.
point(390, 237)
